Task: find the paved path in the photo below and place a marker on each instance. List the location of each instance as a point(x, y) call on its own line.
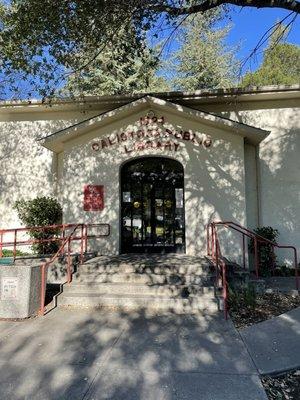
point(95, 355)
point(275, 344)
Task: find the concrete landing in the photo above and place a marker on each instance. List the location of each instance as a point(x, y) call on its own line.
point(85, 355)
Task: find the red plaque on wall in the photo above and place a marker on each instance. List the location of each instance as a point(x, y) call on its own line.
point(93, 198)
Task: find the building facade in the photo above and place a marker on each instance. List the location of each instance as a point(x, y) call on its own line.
point(158, 168)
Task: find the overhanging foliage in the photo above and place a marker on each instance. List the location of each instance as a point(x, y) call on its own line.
point(40, 40)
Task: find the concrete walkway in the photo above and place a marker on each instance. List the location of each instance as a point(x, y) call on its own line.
point(80, 354)
point(275, 344)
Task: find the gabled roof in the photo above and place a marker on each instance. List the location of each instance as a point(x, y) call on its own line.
point(56, 140)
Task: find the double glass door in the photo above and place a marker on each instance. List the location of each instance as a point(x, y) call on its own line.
point(152, 217)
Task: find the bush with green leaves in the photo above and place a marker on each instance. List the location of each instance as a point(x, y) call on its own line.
point(10, 253)
point(265, 250)
point(244, 297)
point(41, 211)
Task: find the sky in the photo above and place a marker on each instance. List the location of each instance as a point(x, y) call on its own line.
point(251, 24)
point(248, 26)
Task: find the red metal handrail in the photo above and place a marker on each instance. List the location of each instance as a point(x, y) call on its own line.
point(61, 229)
point(221, 273)
point(213, 250)
point(59, 252)
point(65, 241)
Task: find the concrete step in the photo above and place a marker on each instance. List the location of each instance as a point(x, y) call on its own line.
point(203, 303)
point(138, 288)
point(146, 278)
point(163, 269)
point(148, 263)
point(145, 267)
point(176, 283)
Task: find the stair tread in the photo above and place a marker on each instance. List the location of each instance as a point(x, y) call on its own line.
point(95, 294)
point(137, 284)
point(97, 273)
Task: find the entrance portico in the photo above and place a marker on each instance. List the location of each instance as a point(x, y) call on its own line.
point(157, 172)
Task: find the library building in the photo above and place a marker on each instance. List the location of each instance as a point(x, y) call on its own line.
point(158, 168)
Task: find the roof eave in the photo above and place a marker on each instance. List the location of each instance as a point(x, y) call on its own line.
point(55, 142)
point(252, 93)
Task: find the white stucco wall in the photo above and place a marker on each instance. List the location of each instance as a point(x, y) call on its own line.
point(27, 168)
point(279, 172)
point(214, 178)
point(251, 178)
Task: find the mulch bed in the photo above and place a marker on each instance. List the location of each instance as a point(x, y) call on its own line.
point(267, 306)
point(283, 387)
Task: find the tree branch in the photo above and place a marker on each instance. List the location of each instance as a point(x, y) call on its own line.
point(291, 5)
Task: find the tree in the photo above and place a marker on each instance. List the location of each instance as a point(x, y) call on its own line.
point(40, 40)
point(127, 69)
point(204, 60)
point(280, 65)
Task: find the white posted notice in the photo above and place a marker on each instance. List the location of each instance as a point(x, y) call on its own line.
point(9, 288)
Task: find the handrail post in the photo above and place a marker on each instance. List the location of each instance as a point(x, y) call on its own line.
point(43, 289)
point(217, 264)
point(224, 290)
point(42, 240)
point(81, 244)
point(256, 256)
point(296, 269)
point(209, 233)
point(244, 252)
point(1, 244)
point(207, 239)
point(213, 232)
point(15, 245)
point(63, 237)
point(273, 260)
point(69, 277)
point(86, 238)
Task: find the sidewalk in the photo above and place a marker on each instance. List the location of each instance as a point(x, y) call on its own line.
point(84, 354)
point(275, 344)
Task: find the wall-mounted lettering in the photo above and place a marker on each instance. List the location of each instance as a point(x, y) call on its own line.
point(151, 135)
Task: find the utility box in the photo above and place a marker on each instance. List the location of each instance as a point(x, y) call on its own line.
point(20, 290)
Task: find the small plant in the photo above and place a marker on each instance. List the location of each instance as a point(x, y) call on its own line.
point(265, 250)
point(41, 211)
point(10, 253)
point(284, 270)
point(242, 297)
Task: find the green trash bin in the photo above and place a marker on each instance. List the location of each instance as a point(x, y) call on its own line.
point(6, 261)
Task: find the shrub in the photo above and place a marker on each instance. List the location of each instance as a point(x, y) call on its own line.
point(242, 298)
point(41, 211)
point(10, 253)
point(265, 251)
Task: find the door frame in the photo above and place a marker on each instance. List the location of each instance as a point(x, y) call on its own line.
point(137, 159)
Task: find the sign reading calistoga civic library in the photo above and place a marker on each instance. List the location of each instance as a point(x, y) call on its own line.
point(152, 134)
